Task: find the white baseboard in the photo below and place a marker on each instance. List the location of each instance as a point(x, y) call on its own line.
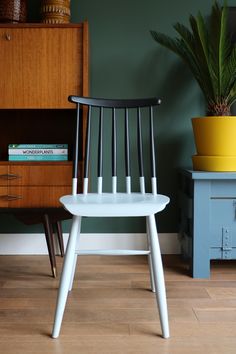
point(22, 244)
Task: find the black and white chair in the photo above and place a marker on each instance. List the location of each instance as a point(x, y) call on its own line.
point(115, 204)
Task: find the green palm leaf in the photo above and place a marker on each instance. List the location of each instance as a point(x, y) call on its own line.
point(207, 50)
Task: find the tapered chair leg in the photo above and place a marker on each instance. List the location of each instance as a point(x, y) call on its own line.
point(50, 244)
point(73, 273)
point(66, 275)
point(60, 237)
point(150, 260)
point(158, 276)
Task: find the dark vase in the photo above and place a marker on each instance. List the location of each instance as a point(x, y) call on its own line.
point(13, 11)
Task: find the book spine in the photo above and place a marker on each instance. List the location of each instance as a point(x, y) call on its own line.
point(38, 152)
point(38, 146)
point(38, 158)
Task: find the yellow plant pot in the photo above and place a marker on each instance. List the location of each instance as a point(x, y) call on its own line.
point(215, 140)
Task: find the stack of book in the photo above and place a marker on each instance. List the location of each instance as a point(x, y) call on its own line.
point(38, 152)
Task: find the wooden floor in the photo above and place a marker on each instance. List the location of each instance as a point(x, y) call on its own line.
point(112, 311)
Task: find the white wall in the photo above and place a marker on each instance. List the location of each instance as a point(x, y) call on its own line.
point(17, 244)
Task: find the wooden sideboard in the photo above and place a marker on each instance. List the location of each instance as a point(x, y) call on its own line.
point(40, 65)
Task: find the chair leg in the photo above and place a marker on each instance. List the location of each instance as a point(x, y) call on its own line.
point(50, 243)
point(150, 261)
point(60, 237)
point(158, 276)
point(66, 275)
point(73, 273)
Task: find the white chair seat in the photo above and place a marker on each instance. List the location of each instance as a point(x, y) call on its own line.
point(119, 204)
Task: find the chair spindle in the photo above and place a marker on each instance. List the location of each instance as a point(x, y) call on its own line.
point(127, 153)
point(76, 153)
point(100, 150)
point(87, 151)
point(140, 153)
point(114, 152)
point(152, 153)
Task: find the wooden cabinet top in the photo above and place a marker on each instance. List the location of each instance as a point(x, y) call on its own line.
point(41, 65)
point(43, 25)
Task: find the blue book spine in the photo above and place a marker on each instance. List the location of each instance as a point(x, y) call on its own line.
point(37, 151)
point(38, 158)
point(38, 146)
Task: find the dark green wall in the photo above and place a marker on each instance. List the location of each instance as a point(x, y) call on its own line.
point(126, 62)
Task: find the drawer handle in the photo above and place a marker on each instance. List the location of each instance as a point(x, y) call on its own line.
point(9, 197)
point(9, 176)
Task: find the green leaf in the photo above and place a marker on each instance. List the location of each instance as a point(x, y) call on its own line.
point(207, 50)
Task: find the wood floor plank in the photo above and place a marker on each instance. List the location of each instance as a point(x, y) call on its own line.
point(182, 331)
point(216, 314)
point(190, 292)
point(202, 283)
point(102, 276)
point(112, 268)
point(42, 331)
point(33, 283)
point(203, 303)
point(222, 292)
point(102, 284)
point(124, 260)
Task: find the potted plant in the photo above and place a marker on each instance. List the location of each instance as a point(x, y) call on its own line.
point(211, 56)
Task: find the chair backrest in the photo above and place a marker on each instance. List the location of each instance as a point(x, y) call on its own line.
point(113, 106)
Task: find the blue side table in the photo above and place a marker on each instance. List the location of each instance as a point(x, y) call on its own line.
point(207, 218)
